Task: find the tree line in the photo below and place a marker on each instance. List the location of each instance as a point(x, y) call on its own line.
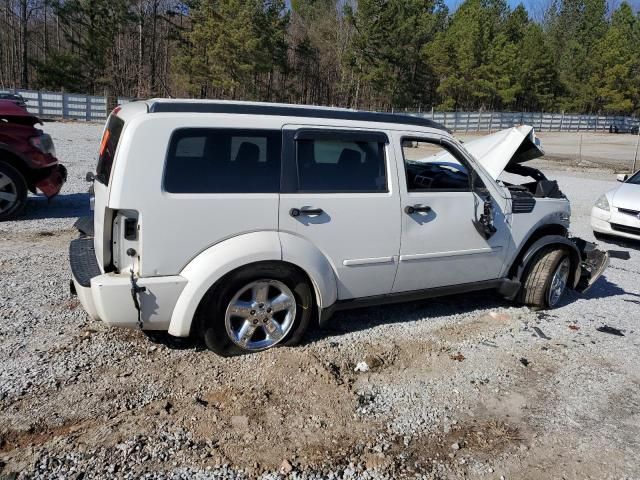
point(579, 56)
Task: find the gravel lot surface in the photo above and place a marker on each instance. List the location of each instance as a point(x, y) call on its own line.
point(460, 387)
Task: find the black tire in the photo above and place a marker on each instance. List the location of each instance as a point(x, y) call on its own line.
point(536, 285)
point(17, 188)
point(211, 312)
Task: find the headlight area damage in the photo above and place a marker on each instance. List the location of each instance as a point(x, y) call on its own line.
point(587, 263)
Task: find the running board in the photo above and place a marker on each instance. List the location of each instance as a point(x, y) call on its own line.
point(504, 286)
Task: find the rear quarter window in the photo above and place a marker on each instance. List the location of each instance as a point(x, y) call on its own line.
point(206, 160)
point(108, 146)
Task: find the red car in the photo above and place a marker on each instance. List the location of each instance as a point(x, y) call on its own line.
point(27, 160)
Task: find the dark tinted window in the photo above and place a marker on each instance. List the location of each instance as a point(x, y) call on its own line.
point(223, 161)
point(340, 166)
point(107, 151)
point(430, 166)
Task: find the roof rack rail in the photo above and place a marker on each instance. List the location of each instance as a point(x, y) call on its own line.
point(291, 111)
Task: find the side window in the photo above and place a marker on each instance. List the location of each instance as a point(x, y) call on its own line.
point(325, 165)
point(429, 166)
point(205, 160)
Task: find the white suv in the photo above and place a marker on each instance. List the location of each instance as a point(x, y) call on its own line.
point(244, 223)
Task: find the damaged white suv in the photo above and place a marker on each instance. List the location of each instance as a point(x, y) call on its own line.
point(244, 223)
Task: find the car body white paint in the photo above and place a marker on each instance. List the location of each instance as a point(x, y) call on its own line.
point(624, 210)
point(365, 247)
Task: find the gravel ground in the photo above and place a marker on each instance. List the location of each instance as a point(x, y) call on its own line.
point(460, 387)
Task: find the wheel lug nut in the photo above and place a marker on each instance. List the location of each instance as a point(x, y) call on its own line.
point(253, 312)
point(261, 305)
point(255, 322)
point(268, 310)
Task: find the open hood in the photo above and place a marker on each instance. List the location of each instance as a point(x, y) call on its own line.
point(497, 151)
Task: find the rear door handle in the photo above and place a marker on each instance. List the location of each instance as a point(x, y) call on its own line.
point(296, 212)
point(411, 209)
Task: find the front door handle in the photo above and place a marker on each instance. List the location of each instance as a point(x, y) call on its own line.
point(411, 209)
point(296, 212)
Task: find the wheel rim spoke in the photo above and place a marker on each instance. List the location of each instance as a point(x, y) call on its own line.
point(8, 196)
point(281, 302)
point(261, 293)
point(260, 315)
point(4, 181)
point(559, 282)
point(273, 330)
point(246, 332)
point(241, 309)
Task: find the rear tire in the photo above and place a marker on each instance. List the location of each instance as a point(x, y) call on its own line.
point(221, 320)
point(13, 192)
point(546, 279)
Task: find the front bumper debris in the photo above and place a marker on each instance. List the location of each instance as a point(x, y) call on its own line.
point(592, 266)
point(52, 183)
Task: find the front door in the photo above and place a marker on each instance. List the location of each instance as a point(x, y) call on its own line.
point(340, 192)
point(441, 244)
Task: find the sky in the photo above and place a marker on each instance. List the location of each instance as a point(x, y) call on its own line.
point(536, 7)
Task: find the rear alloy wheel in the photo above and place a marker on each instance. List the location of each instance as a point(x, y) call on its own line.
point(260, 315)
point(13, 192)
point(546, 279)
point(256, 308)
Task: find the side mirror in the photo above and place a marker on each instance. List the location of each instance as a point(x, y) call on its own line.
point(90, 177)
point(622, 177)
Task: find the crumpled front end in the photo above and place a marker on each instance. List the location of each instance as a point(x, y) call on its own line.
point(593, 263)
point(52, 181)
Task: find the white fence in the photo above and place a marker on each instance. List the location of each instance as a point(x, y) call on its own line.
point(64, 105)
point(94, 108)
point(544, 122)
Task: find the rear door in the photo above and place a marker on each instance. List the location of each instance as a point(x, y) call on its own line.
point(340, 192)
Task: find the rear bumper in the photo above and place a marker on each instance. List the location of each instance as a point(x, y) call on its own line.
point(51, 184)
point(107, 296)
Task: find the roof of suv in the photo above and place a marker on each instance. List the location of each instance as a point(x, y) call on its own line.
point(282, 109)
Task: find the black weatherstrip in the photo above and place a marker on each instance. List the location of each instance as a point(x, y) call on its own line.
point(291, 111)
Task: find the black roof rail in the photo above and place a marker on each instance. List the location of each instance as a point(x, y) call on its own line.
point(292, 111)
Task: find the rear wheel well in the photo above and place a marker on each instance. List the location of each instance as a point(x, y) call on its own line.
point(545, 230)
point(216, 286)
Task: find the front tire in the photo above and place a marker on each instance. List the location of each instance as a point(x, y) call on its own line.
point(546, 279)
point(13, 192)
point(256, 308)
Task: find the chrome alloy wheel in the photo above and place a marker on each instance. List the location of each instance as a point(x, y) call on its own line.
point(8, 193)
point(260, 314)
point(558, 282)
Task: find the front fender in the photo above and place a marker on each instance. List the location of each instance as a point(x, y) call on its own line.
point(212, 264)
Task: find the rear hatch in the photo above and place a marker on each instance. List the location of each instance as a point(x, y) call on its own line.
point(102, 215)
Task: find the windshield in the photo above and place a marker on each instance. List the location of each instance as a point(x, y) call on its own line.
point(108, 146)
point(635, 179)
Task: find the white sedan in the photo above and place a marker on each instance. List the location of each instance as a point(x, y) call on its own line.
point(617, 212)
